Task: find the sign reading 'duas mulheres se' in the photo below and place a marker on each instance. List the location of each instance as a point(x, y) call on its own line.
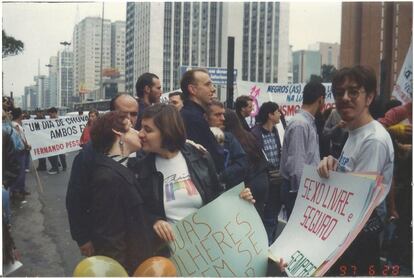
point(50, 137)
point(325, 212)
point(225, 238)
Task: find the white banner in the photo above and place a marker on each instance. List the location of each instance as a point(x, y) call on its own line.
point(403, 89)
point(287, 96)
point(326, 213)
point(54, 136)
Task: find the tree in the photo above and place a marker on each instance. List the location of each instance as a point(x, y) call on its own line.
point(328, 72)
point(315, 78)
point(11, 46)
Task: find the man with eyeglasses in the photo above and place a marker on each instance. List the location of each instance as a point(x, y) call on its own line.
point(368, 149)
point(78, 193)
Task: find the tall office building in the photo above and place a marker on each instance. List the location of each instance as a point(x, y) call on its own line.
point(265, 42)
point(30, 100)
point(51, 99)
point(30, 97)
point(329, 52)
point(65, 79)
point(87, 49)
point(290, 65)
point(129, 46)
point(118, 55)
point(305, 64)
point(377, 34)
point(118, 46)
point(161, 37)
point(42, 88)
point(144, 41)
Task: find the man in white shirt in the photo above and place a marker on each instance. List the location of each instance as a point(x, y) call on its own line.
point(368, 149)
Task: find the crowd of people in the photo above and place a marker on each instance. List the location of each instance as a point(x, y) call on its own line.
point(146, 165)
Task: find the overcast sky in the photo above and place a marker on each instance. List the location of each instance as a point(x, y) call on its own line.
point(41, 26)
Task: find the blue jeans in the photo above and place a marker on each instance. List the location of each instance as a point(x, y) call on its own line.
point(19, 184)
point(27, 161)
point(288, 198)
point(54, 161)
point(271, 211)
point(6, 205)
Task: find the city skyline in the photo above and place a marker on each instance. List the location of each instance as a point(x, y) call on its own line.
point(54, 22)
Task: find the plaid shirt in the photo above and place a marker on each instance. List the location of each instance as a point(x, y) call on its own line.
point(270, 148)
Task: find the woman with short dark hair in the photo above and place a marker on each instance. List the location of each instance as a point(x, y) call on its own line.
point(177, 179)
point(119, 225)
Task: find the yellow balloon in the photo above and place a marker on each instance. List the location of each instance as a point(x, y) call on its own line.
point(99, 266)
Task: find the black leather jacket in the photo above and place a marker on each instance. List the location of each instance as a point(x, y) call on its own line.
point(119, 226)
point(202, 172)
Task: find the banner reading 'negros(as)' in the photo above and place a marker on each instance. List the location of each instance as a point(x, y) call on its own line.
point(288, 96)
point(225, 238)
point(50, 137)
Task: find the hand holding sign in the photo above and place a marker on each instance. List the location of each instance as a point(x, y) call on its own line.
point(328, 163)
point(164, 230)
point(247, 195)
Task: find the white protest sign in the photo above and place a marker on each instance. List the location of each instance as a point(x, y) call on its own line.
point(326, 211)
point(54, 136)
point(164, 98)
point(403, 89)
point(287, 96)
point(225, 238)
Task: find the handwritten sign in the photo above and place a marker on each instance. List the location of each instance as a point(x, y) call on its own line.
point(225, 238)
point(326, 211)
point(54, 136)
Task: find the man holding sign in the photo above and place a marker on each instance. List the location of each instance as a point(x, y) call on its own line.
point(368, 149)
point(54, 160)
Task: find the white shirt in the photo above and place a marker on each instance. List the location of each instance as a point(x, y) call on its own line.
point(369, 149)
point(181, 197)
point(19, 130)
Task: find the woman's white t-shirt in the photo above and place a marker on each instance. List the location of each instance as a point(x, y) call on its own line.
point(181, 197)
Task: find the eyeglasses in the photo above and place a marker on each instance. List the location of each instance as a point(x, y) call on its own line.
point(353, 92)
point(133, 114)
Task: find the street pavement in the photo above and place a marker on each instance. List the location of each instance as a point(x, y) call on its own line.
point(40, 226)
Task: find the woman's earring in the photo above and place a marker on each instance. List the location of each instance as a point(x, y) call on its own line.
point(121, 146)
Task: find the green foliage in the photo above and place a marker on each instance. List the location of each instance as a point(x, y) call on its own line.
point(328, 72)
point(315, 78)
point(11, 46)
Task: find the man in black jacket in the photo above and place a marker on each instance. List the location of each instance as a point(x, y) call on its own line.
point(198, 91)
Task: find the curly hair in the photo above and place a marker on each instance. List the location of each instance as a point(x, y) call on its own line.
point(102, 135)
